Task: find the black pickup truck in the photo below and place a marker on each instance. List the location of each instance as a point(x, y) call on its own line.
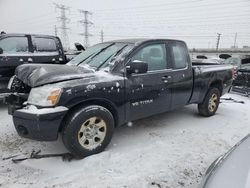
point(18, 49)
point(108, 85)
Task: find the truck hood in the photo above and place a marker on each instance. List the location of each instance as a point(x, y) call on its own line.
point(35, 75)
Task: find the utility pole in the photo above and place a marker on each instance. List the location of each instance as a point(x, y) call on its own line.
point(102, 36)
point(235, 39)
point(64, 21)
point(218, 41)
point(55, 31)
point(86, 23)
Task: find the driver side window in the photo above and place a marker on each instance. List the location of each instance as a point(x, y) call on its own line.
point(154, 55)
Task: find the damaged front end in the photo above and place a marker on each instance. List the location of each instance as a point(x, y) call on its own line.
point(34, 111)
point(19, 94)
point(31, 121)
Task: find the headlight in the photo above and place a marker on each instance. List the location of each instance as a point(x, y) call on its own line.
point(44, 96)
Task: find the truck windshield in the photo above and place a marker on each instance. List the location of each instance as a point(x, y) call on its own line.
point(100, 55)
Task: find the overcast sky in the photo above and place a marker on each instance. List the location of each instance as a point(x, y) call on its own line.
point(195, 21)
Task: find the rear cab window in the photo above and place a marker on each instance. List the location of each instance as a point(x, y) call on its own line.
point(179, 54)
point(14, 45)
point(44, 45)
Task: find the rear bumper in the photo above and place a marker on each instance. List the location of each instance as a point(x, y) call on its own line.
point(39, 124)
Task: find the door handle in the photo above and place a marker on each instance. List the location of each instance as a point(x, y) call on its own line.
point(165, 79)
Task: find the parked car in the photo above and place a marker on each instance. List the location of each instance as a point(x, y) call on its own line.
point(241, 82)
point(230, 170)
point(108, 85)
point(238, 62)
point(18, 49)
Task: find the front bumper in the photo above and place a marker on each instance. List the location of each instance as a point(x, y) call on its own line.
point(39, 124)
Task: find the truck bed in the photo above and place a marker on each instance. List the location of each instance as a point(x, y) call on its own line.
point(205, 73)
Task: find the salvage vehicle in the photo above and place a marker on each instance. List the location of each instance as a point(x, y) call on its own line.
point(18, 49)
point(238, 62)
point(230, 170)
point(108, 85)
point(241, 81)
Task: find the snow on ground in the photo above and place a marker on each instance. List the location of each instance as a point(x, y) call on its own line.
point(170, 150)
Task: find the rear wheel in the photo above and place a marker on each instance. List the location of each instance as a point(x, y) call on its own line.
point(88, 131)
point(210, 104)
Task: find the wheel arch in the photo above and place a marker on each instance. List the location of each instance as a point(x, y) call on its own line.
point(216, 84)
point(100, 102)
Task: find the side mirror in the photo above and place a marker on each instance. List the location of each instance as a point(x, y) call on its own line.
point(137, 67)
point(1, 51)
point(79, 47)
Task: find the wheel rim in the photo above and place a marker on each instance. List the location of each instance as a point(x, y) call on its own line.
point(213, 103)
point(92, 133)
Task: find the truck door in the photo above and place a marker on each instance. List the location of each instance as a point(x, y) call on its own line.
point(15, 52)
point(47, 50)
point(149, 93)
point(182, 82)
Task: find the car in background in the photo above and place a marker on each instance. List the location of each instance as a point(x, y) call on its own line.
point(230, 170)
point(18, 49)
point(241, 83)
point(238, 62)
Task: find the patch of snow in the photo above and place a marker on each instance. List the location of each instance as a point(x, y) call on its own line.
point(130, 124)
point(31, 109)
point(117, 84)
point(90, 87)
point(168, 150)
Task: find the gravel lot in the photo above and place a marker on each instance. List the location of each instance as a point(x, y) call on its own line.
point(170, 150)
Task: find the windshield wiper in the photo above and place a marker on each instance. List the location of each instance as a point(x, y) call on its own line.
point(84, 59)
point(110, 57)
point(94, 55)
point(100, 52)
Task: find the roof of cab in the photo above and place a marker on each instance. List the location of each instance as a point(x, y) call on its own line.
point(141, 40)
point(24, 34)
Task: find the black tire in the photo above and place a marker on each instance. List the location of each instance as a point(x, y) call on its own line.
point(205, 108)
point(75, 136)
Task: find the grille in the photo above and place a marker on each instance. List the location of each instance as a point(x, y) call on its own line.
point(19, 87)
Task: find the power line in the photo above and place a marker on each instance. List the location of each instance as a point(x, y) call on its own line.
point(197, 4)
point(227, 18)
point(86, 23)
point(33, 19)
point(64, 20)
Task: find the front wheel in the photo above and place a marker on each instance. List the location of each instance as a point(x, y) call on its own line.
point(210, 104)
point(88, 131)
